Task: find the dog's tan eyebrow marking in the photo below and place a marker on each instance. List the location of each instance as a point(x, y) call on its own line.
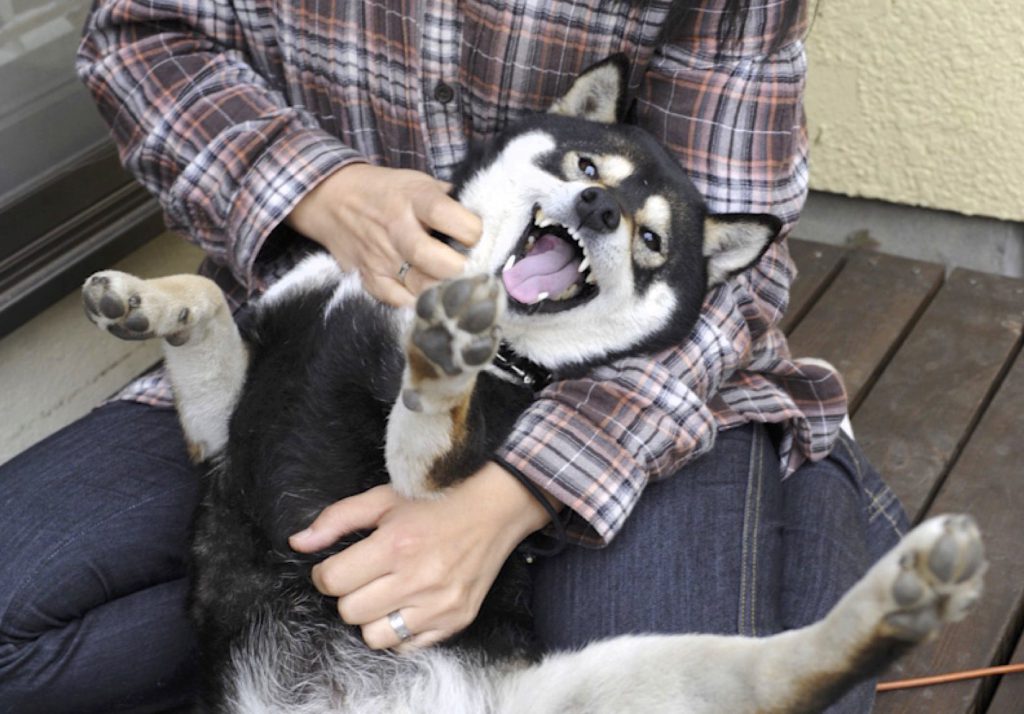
point(614, 169)
point(656, 214)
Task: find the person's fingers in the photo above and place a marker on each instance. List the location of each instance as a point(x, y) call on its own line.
point(443, 213)
point(416, 281)
point(389, 290)
point(351, 514)
point(430, 256)
point(380, 634)
point(353, 568)
point(422, 641)
point(375, 600)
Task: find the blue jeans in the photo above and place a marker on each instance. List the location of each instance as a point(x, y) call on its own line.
point(93, 578)
point(94, 523)
point(726, 546)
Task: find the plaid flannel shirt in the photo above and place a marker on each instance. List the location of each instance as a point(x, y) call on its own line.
point(230, 112)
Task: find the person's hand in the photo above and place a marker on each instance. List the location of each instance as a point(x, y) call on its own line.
point(432, 560)
point(374, 219)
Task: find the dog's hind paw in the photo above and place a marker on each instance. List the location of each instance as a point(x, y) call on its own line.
point(456, 326)
point(135, 309)
point(934, 576)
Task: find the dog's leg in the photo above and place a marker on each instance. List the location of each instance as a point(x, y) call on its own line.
point(205, 356)
point(931, 578)
point(453, 337)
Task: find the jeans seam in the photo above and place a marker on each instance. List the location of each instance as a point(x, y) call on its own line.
point(881, 509)
point(749, 551)
point(876, 506)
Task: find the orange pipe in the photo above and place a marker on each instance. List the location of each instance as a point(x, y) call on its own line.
point(951, 677)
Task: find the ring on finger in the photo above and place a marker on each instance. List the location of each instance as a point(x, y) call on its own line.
point(403, 270)
point(397, 623)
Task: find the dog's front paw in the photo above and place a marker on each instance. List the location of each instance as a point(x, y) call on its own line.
point(456, 324)
point(934, 577)
point(454, 335)
point(135, 309)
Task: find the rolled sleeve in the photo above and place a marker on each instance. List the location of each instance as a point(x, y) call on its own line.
point(226, 154)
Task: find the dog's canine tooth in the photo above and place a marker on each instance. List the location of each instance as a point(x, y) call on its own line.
point(591, 279)
point(509, 263)
point(542, 296)
point(584, 264)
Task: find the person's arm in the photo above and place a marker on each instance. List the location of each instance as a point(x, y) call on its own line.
point(230, 157)
point(200, 126)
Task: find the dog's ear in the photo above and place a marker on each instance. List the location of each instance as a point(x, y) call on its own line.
point(598, 94)
point(734, 241)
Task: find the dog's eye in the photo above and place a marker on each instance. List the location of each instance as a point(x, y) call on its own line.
point(587, 167)
point(651, 239)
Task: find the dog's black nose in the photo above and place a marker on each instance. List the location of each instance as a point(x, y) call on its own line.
point(597, 210)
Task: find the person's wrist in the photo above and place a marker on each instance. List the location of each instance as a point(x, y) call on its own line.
point(508, 505)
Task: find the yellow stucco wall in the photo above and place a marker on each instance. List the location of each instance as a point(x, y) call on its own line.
point(919, 102)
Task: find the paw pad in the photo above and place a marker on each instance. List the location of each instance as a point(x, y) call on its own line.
point(111, 303)
point(940, 564)
point(456, 327)
point(133, 309)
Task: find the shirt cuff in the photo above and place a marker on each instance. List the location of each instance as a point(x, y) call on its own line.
point(280, 177)
point(594, 443)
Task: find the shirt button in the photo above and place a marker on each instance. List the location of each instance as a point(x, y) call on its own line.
point(444, 93)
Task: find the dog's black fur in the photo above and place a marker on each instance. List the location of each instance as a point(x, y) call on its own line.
point(309, 427)
point(309, 431)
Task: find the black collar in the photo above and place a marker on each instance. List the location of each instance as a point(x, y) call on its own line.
point(521, 369)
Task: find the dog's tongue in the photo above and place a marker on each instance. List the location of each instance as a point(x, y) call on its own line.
point(550, 268)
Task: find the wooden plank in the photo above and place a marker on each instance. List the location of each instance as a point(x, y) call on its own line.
point(922, 409)
point(1009, 698)
point(986, 482)
point(817, 265)
point(863, 315)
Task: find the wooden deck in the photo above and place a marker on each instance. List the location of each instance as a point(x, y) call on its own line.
point(935, 374)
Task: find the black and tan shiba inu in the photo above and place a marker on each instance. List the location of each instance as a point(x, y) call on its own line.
point(595, 245)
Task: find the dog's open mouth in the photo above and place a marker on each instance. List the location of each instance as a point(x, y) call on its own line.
point(550, 268)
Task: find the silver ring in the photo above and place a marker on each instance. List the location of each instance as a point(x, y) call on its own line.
point(397, 623)
point(402, 270)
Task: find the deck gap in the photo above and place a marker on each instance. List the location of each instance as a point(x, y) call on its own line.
point(908, 328)
point(826, 283)
point(972, 426)
point(1003, 654)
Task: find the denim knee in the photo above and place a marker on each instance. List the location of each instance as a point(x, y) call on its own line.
point(887, 522)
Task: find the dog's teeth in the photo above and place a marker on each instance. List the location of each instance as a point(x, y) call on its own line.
point(569, 292)
point(542, 296)
point(509, 263)
point(540, 219)
point(584, 264)
point(591, 279)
